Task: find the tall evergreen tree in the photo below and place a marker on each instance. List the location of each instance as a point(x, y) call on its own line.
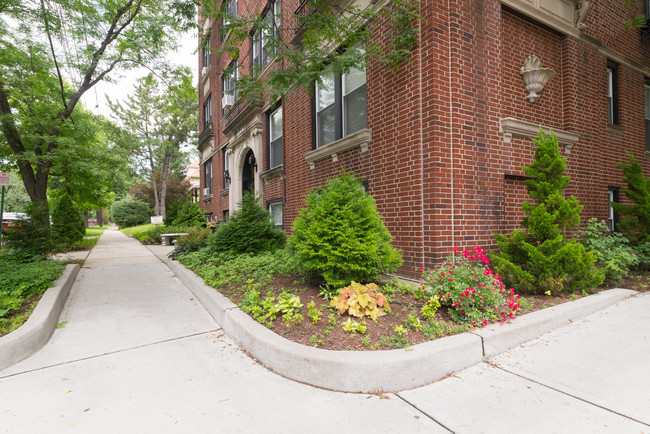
point(635, 218)
point(541, 258)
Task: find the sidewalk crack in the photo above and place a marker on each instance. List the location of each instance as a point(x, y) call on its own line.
point(424, 412)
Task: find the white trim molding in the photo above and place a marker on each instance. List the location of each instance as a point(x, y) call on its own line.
point(360, 139)
point(514, 127)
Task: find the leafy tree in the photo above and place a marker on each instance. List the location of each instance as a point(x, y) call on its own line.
point(249, 230)
point(321, 27)
point(160, 117)
point(340, 235)
point(16, 198)
point(87, 40)
point(541, 258)
point(635, 218)
point(128, 212)
point(177, 189)
point(68, 226)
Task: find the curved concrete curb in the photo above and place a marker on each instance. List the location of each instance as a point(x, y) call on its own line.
point(31, 336)
point(382, 371)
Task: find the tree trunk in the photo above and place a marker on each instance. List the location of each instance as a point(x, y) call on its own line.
point(164, 179)
point(154, 184)
point(100, 218)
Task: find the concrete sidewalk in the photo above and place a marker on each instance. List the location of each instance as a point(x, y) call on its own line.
point(140, 354)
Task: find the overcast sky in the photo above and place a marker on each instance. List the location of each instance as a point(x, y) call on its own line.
point(95, 99)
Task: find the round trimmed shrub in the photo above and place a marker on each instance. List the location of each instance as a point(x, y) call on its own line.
point(128, 212)
point(341, 237)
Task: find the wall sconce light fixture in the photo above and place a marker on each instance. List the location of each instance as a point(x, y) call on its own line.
point(535, 77)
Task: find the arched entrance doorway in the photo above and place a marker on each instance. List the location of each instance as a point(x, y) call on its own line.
point(248, 172)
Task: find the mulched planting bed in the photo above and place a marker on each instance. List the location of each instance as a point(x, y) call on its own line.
point(328, 332)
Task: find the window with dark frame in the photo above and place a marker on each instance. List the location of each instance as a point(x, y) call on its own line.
point(229, 86)
point(226, 172)
point(263, 40)
point(229, 8)
point(275, 208)
point(207, 51)
point(275, 151)
point(207, 171)
point(340, 106)
point(646, 90)
point(207, 112)
point(612, 217)
point(612, 93)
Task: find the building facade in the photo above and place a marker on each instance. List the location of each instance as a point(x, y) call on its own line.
point(442, 140)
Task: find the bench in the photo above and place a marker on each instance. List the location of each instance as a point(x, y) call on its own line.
point(167, 238)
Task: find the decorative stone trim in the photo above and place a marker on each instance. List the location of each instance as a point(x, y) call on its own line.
point(207, 198)
point(224, 192)
point(514, 127)
point(360, 139)
point(273, 173)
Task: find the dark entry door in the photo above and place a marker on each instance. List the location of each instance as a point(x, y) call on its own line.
point(248, 172)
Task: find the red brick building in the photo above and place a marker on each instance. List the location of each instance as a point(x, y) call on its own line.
point(441, 141)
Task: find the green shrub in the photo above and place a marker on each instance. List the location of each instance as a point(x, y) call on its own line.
point(189, 214)
point(68, 226)
point(340, 236)
point(249, 230)
point(195, 239)
point(541, 259)
point(470, 290)
point(27, 238)
point(128, 212)
point(612, 250)
point(635, 218)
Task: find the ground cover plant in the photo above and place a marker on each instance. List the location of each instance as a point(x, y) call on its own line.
point(21, 285)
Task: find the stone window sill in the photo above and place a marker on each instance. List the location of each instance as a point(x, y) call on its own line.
point(511, 127)
point(360, 139)
point(272, 173)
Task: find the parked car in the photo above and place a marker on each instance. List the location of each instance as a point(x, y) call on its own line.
point(10, 218)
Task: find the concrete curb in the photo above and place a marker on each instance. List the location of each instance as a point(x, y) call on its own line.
point(499, 338)
point(383, 371)
point(31, 336)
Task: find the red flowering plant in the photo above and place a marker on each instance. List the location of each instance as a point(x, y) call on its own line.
point(470, 290)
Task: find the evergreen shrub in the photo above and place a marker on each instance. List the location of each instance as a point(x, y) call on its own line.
point(249, 230)
point(340, 237)
point(540, 258)
point(189, 214)
point(68, 225)
point(635, 218)
point(128, 212)
point(27, 238)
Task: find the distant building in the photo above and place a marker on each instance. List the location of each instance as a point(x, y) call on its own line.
point(441, 141)
point(194, 177)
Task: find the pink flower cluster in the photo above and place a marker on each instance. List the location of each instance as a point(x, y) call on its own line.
point(475, 294)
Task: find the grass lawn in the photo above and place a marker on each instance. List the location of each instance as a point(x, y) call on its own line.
point(137, 229)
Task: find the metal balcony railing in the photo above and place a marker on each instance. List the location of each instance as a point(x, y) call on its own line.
point(206, 133)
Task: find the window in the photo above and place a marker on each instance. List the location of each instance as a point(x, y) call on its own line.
point(264, 38)
point(207, 171)
point(207, 112)
point(208, 217)
point(229, 86)
point(612, 220)
point(340, 106)
point(647, 116)
point(275, 209)
point(229, 8)
point(275, 138)
point(226, 215)
point(206, 51)
point(612, 93)
point(226, 173)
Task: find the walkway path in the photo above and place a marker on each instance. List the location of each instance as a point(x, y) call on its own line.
point(138, 354)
